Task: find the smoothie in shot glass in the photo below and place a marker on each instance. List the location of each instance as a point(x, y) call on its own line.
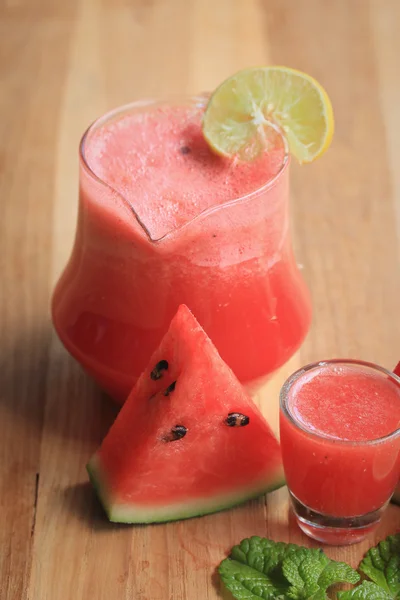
point(340, 440)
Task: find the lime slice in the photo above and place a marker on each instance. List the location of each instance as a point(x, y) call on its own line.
point(246, 109)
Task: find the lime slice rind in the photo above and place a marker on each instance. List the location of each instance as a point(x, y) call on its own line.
point(244, 111)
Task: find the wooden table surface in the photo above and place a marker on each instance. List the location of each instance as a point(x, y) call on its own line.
point(65, 63)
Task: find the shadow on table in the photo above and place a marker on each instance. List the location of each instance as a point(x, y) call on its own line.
point(220, 589)
point(43, 387)
point(81, 502)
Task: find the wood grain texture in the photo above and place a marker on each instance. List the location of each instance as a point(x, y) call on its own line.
point(62, 65)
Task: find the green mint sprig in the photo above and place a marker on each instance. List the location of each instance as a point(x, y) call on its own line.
point(366, 591)
point(260, 569)
point(381, 565)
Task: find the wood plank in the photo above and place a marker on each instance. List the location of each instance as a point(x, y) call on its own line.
point(343, 204)
point(26, 191)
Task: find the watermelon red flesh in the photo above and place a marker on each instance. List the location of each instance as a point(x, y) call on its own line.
point(140, 477)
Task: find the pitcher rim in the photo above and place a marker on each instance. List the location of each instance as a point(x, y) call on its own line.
point(317, 435)
point(200, 100)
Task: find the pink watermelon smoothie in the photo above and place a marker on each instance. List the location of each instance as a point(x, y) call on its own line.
point(164, 221)
point(160, 162)
point(338, 459)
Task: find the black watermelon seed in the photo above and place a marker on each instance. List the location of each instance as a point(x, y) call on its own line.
point(237, 420)
point(184, 150)
point(176, 433)
point(170, 388)
point(157, 372)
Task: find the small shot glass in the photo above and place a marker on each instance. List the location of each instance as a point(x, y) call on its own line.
point(339, 488)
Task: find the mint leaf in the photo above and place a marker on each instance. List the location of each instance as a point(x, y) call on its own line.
point(246, 583)
point(310, 573)
point(254, 569)
point(259, 568)
point(263, 554)
point(366, 591)
point(381, 564)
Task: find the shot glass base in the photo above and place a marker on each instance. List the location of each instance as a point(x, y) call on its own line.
point(335, 531)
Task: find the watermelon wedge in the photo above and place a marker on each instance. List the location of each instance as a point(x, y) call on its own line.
point(188, 441)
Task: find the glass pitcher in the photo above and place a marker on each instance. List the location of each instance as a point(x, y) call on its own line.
point(232, 265)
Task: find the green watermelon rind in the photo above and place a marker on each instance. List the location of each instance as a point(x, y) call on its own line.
point(131, 514)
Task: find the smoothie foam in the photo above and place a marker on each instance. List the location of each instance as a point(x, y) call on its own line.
point(160, 162)
point(343, 403)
